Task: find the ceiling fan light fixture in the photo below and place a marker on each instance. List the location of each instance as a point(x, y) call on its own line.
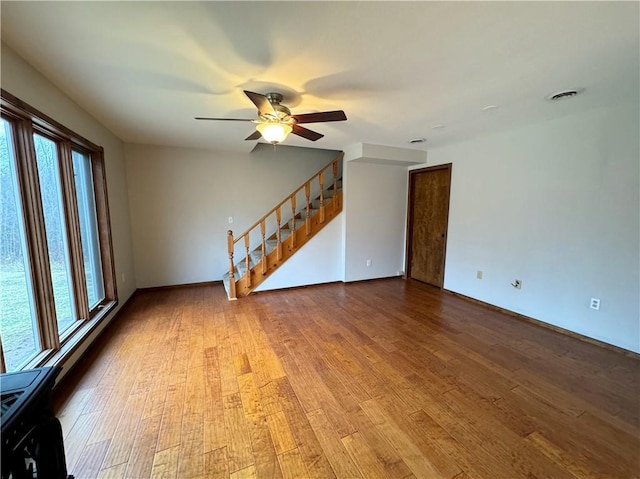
point(274, 133)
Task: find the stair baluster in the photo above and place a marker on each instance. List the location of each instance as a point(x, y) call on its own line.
point(335, 183)
point(232, 276)
point(278, 235)
point(293, 221)
point(263, 230)
point(307, 192)
point(321, 179)
point(247, 258)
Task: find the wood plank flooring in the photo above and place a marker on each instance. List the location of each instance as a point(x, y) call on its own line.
point(386, 378)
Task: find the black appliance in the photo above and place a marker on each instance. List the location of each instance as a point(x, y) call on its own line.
point(32, 444)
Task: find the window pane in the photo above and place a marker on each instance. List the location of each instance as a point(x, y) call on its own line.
point(17, 318)
point(49, 176)
point(88, 227)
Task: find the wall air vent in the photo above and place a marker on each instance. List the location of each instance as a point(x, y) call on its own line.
point(563, 95)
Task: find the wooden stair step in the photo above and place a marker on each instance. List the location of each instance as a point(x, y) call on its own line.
point(312, 211)
point(296, 223)
point(328, 194)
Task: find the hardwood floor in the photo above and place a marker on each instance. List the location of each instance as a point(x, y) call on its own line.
point(386, 378)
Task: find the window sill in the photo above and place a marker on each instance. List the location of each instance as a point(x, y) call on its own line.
point(74, 338)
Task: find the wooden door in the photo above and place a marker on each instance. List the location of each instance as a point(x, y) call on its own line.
point(427, 225)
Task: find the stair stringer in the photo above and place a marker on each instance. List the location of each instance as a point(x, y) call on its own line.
point(318, 261)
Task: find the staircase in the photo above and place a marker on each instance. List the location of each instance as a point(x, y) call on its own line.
point(275, 237)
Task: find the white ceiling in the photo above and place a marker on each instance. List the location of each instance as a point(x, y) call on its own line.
point(146, 69)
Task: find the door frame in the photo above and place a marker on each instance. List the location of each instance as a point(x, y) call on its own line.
point(410, 206)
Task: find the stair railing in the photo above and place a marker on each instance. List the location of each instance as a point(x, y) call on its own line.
point(306, 188)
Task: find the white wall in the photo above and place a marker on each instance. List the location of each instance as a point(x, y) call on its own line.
point(375, 204)
point(24, 82)
point(181, 200)
point(555, 205)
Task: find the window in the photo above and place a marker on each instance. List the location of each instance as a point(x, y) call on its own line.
point(55, 229)
point(88, 227)
point(17, 314)
point(56, 264)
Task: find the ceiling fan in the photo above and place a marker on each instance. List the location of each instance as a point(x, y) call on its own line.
point(275, 121)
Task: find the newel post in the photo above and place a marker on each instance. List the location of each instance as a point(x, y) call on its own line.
point(232, 276)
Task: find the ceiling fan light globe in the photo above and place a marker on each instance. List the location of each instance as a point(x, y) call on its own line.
point(274, 132)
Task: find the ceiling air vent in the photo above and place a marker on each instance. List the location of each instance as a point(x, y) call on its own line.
point(563, 95)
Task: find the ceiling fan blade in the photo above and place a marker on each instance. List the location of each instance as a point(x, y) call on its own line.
point(261, 101)
point(337, 115)
point(222, 119)
point(254, 136)
point(305, 133)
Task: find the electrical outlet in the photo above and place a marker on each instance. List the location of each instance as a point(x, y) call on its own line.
point(479, 274)
point(517, 284)
point(124, 278)
point(230, 219)
point(368, 262)
point(595, 303)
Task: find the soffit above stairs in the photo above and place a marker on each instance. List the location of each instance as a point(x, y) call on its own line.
point(261, 147)
point(384, 155)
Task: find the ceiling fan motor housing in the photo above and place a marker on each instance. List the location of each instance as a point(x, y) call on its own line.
point(274, 98)
point(282, 112)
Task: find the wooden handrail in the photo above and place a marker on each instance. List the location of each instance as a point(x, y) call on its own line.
point(295, 192)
